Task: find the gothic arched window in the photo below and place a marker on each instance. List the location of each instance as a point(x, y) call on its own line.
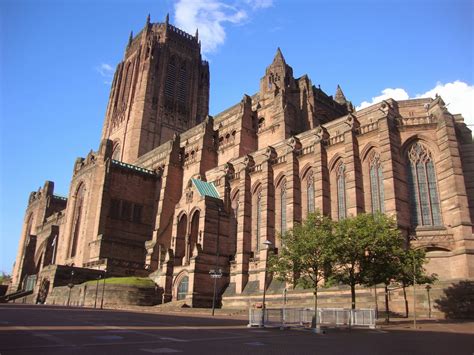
point(183, 288)
point(425, 208)
point(376, 184)
point(78, 206)
point(235, 219)
point(258, 226)
point(341, 191)
point(182, 83)
point(283, 207)
point(170, 79)
point(310, 192)
point(116, 150)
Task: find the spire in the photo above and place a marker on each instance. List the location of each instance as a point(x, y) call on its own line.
point(197, 34)
point(279, 56)
point(130, 39)
point(148, 20)
point(339, 97)
point(167, 20)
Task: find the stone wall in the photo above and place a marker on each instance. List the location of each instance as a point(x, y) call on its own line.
point(90, 294)
point(453, 295)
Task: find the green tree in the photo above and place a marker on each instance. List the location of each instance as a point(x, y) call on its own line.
point(367, 248)
point(305, 257)
point(411, 269)
point(4, 278)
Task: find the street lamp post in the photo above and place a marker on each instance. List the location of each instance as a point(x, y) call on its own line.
point(103, 291)
point(217, 272)
point(70, 285)
point(268, 245)
point(428, 288)
point(96, 290)
point(412, 238)
point(414, 292)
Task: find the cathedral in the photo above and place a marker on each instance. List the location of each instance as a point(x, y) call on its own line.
point(177, 195)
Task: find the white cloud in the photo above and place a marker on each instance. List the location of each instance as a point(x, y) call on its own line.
point(208, 16)
point(105, 70)
point(388, 93)
point(211, 17)
point(259, 4)
point(458, 96)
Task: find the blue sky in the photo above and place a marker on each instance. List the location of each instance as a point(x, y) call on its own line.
point(56, 59)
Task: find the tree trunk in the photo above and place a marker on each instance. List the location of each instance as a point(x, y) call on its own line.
point(387, 309)
point(314, 322)
point(353, 296)
point(405, 298)
point(376, 302)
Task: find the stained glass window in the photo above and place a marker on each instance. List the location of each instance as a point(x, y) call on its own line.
point(283, 207)
point(341, 191)
point(183, 288)
point(376, 184)
point(424, 201)
point(259, 220)
point(77, 219)
point(310, 192)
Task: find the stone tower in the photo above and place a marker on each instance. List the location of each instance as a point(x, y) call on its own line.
point(160, 88)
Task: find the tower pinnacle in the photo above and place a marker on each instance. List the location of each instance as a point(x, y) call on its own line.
point(340, 98)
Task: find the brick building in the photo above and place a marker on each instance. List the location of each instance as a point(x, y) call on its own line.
point(174, 193)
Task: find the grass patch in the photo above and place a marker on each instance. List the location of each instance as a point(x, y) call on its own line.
point(128, 281)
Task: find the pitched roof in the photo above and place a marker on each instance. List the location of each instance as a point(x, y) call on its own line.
point(205, 188)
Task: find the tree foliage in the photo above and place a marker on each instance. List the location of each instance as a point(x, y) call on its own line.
point(366, 249)
point(305, 257)
point(305, 254)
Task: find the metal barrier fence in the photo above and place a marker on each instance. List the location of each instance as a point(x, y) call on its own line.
point(301, 317)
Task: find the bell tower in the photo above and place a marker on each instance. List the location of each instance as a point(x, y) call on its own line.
point(160, 88)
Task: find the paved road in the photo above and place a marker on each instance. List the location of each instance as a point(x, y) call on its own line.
point(34, 329)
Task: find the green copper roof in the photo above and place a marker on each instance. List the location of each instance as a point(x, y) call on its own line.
point(205, 188)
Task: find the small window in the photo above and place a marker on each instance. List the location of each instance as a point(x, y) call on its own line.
point(183, 288)
point(126, 212)
point(137, 213)
point(115, 208)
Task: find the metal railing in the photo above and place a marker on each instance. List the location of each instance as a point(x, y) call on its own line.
point(302, 317)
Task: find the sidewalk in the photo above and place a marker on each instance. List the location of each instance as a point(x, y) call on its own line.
point(430, 325)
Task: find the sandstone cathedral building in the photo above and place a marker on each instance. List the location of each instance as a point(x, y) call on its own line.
point(173, 193)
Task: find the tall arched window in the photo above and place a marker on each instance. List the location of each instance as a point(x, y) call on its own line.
point(425, 208)
point(182, 83)
point(183, 288)
point(180, 247)
point(193, 236)
point(259, 220)
point(116, 150)
point(78, 206)
point(283, 207)
point(235, 220)
point(341, 191)
point(376, 184)
point(310, 192)
point(170, 78)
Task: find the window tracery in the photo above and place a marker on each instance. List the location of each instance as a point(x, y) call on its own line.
point(424, 200)
point(341, 190)
point(310, 192)
point(376, 183)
